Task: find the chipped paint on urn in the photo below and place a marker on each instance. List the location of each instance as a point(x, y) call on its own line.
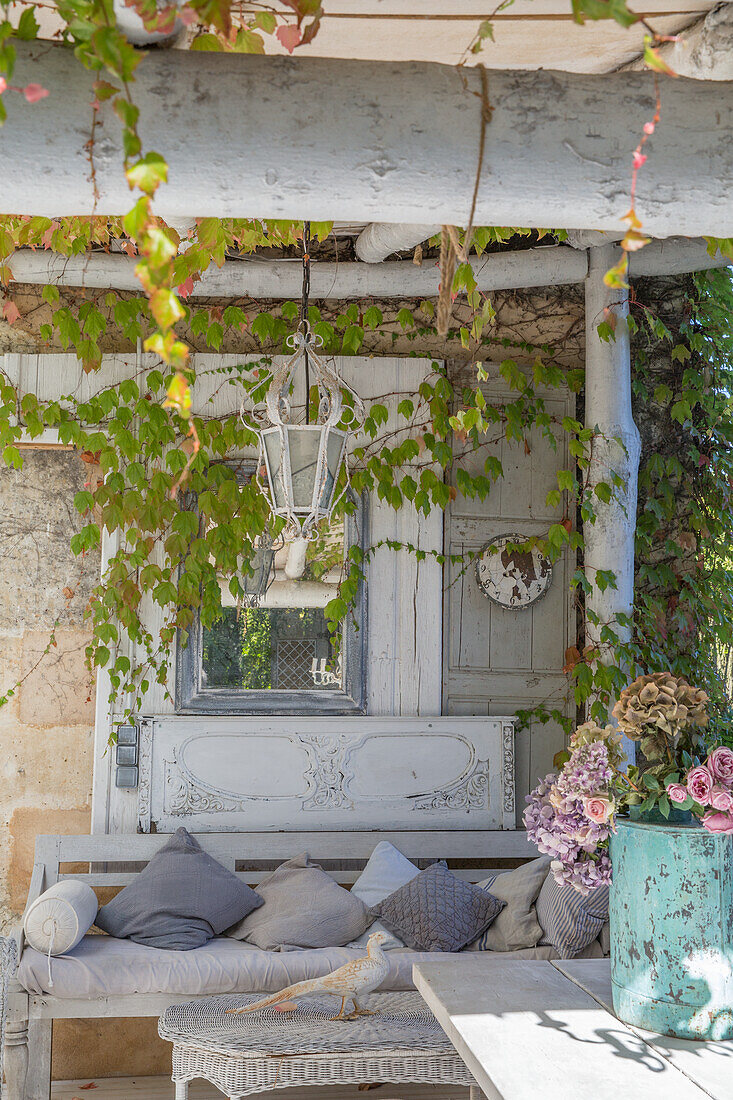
point(672, 929)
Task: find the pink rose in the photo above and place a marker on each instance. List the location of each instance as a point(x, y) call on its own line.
point(721, 799)
point(700, 784)
point(717, 822)
point(677, 792)
point(598, 808)
point(720, 763)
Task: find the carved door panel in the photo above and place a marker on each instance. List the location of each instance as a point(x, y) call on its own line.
point(326, 773)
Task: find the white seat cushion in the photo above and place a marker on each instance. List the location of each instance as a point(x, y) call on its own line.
point(102, 966)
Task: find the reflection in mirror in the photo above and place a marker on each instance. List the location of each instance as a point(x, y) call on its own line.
point(284, 643)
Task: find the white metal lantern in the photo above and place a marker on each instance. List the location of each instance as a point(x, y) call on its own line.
point(303, 462)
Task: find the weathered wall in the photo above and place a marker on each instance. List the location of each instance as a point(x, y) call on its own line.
point(46, 727)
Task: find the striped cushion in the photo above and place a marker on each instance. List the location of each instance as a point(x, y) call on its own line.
point(568, 920)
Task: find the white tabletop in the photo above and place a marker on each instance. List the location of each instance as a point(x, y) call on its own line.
point(531, 1030)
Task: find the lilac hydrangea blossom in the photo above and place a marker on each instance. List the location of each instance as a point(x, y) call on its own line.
point(557, 822)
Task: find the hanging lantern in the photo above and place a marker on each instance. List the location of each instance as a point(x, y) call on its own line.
point(302, 462)
point(257, 582)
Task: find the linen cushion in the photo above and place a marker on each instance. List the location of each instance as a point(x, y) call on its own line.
point(102, 966)
point(303, 907)
point(386, 870)
point(436, 911)
point(180, 900)
point(57, 920)
point(516, 926)
point(570, 921)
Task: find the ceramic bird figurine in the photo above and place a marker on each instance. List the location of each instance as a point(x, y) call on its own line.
point(349, 982)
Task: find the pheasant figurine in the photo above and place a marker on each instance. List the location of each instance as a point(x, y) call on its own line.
point(349, 982)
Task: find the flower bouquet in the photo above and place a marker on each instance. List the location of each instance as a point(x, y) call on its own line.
point(571, 815)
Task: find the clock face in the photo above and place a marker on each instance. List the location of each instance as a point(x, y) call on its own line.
point(513, 578)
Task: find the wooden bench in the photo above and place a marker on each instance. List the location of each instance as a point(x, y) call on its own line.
point(479, 795)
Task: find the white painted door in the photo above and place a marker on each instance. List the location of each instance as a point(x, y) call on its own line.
point(498, 661)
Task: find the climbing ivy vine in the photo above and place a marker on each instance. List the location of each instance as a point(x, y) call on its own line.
point(149, 454)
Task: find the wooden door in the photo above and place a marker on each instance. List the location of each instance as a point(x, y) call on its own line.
point(498, 661)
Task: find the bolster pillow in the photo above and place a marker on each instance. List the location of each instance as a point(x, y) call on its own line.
point(57, 921)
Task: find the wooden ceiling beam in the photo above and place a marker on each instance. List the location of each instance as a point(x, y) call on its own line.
point(273, 137)
point(549, 265)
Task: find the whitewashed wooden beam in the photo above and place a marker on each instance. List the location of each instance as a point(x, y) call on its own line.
point(703, 51)
point(326, 139)
point(382, 239)
point(553, 265)
point(609, 542)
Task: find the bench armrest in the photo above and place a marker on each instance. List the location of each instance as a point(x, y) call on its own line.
point(38, 885)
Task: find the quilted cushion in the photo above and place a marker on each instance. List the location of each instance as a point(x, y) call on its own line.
point(570, 921)
point(436, 911)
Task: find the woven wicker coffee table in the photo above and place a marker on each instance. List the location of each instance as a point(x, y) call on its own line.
point(265, 1050)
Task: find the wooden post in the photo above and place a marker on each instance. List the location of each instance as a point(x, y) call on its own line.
point(609, 542)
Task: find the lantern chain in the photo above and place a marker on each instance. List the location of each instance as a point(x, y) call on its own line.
point(304, 322)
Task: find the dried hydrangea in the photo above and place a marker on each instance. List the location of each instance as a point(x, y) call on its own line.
point(662, 700)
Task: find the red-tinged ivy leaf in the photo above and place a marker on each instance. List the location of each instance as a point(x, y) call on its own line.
point(179, 396)
point(103, 90)
point(11, 312)
point(653, 59)
point(631, 219)
point(186, 287)
point(633, 241)
point(188, 17)
point(289, 36)
point(310, 32)
point(615, 277)
point(165, 307)
point(149, 172)
point(34, 92)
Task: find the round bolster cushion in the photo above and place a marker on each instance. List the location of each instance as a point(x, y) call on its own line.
point(57, 921)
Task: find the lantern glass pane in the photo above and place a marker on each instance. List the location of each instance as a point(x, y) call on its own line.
point(273, 457)
point(334, 451)
point(304, 442)
point(255, 584)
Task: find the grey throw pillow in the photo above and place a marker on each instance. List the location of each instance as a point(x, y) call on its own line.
point(517, 926)
point(436, 911)
point(569, 920)
point(303, 907)
point(182, 899)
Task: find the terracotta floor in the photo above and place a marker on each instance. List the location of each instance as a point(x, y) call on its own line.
point(160, 1088)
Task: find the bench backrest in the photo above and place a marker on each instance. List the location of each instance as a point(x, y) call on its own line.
point(114, 860)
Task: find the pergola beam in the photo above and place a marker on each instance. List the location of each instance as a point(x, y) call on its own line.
point(551, 265)
point(275, 137)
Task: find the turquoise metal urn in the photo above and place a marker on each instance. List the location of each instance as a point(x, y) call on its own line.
point(672, 929)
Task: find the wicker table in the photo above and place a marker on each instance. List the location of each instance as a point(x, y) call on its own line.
point(265, 1050)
